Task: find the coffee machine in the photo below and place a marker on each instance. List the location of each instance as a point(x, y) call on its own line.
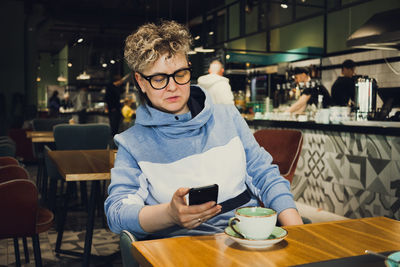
point(365, 98)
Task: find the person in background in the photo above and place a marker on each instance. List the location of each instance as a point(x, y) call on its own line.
point(113, 104)
point(127, 113)
point(180, 140)
point(81, 104)
point(343, 90)
point(217, 86)
point(309, 95)
point(66, 103)
point(54, 104)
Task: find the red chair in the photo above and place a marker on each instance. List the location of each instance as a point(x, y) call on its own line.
point(8, 161)
point(21, 215)
point(284, 147)
point(16, 172)
point(12, 172)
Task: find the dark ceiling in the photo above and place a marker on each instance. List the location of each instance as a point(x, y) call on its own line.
point(103, 22)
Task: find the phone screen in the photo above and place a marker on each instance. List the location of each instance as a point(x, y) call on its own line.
point(200, 195)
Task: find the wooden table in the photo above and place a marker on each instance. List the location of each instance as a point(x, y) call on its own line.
point(304, 244)
point(82, 165)
point(40, 136)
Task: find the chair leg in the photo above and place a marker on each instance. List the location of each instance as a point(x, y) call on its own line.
point(16, 252)
point(26, 251)
point(84, 199)
point(52, 198)
point(36, 250)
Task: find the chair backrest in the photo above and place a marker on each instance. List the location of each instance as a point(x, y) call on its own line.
point(4, 161)
point(125, 243)
point(284, 147)
point(82, 136)
point(7, 149)
point(40, 124)
point(18, 208)
point(12, 172)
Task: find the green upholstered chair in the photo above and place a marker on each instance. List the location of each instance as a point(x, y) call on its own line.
point(125, 243)
point(7, 149)
point(82, 136)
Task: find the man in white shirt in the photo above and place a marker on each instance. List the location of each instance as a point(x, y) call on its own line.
point(217, 85)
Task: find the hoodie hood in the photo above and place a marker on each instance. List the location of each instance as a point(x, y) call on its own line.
point(209, 80)
point(167, 123)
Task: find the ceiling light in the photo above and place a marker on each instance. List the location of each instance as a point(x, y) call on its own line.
point(61, 78)
point(283, 5)
point(211, 33)
point(112, 61)
point(197, 37)
point(69, 64)
point(38, 79)
point(104, 65)
point(203, 50)
point(80, 40)
point(83, 76)
point(228, 56)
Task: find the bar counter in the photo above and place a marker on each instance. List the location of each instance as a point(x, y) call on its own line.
point(391, 128)
point(350, 169)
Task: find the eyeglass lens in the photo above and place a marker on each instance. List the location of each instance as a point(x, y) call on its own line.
point(160, 81)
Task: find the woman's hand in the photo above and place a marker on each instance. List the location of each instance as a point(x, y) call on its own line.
point(190, 216)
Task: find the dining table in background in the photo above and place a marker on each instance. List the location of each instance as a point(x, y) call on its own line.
point(76, 166)
point(40, 136)
point(304, 244)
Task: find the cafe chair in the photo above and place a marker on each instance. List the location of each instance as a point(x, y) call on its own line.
point(10, 172)
point(7, 149)
point(54, 176)
point(19, 201)
point(82, 137)
point(43, 124)
point(125, 243)
point(284, 146)
point(4, 161)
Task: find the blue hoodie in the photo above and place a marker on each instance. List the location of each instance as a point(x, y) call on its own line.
point(163, 152)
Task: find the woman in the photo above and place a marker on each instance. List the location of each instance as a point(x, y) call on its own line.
point(181, 140)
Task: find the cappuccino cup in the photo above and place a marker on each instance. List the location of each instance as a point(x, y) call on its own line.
point(253, 222)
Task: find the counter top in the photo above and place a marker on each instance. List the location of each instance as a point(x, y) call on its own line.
point(390, 128)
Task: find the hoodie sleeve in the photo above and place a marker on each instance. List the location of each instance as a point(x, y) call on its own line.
point(274, 190)
point(127, 194)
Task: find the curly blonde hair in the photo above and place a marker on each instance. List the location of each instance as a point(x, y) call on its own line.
point(150, 41)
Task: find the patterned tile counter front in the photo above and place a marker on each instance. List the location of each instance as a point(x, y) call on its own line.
point(348, 173)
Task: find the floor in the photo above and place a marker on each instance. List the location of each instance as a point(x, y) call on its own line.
point(105, 243)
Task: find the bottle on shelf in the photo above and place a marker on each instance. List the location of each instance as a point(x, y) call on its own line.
point(320, 101)
point(275, 101)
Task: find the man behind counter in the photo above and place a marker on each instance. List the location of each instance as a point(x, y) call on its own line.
point(309, 95)
point(343, 90)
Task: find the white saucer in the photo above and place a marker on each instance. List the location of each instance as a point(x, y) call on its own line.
point(278, 234)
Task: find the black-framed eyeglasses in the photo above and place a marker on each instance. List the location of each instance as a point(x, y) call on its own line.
point(160, 80)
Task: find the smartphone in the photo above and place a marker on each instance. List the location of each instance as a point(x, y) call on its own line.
point(200, 195)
